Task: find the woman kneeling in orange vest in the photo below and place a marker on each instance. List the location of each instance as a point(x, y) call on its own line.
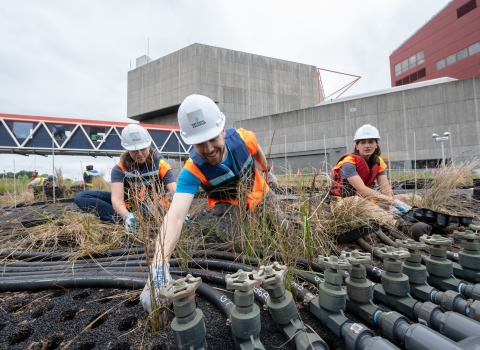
point(140, 178)
point(354, 178)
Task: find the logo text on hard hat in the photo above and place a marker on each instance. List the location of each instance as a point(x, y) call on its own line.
point(135, 136)
point(196, 118)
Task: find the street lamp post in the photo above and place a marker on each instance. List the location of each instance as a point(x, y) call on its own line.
point(445, 137)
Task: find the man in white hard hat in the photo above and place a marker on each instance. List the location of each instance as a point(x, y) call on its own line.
point(222, 162)
point(354, 177)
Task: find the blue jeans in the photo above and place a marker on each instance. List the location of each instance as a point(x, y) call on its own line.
point(97, 202)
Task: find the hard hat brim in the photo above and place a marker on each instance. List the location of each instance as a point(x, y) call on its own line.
point(207, 135)
point(137, 146)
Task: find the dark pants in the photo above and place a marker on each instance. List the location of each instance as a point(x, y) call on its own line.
point(228, 223)
point(97, 202)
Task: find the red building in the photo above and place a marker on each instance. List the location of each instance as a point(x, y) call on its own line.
point(446, 46)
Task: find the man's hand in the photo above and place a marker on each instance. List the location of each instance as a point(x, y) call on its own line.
point(161, 277)
point(130, 222)
point(400, 206)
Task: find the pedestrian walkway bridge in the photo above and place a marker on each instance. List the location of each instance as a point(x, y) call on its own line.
point(26, 135)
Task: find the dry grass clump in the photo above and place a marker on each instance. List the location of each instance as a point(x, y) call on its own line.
point(81, 234)
point(8, 198)
point(100, 184)
point(438, 192)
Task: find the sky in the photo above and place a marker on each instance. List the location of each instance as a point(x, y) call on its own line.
point(70, 59)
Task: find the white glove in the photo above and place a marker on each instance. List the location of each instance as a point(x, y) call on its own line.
point(161, 277)
point(400, 206)
point(130, 222)
point(394, 211)
point(188, 220)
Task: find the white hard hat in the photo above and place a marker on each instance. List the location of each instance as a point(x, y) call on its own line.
point(365, 132)
point(199, 119)
point(135, 137)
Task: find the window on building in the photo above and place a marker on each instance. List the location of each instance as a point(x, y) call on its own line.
point(22, 130)
point(420, 57)
point(412, 61)
point(97, 134)
point(61, 132)
point(441, 64)
point(405, 65)
point(422, 73)
point(406, 80)
point(451, 59)
point(464, 9)
point(398, 82)
point(462, 54)
point(398, 69)
point(473, 49)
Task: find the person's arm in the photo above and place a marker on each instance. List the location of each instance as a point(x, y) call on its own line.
point(29, 186)
point(171, 187)
point(118, 198)
point(262, 162)
point(384, 186)
point(366, 192)
point(171, 227)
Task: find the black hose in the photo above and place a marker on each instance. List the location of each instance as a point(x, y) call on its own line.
point(374, 272)
point(368, 248)
point(386, 240)
point(72, 282)
point(36, 256)
point(310, 278)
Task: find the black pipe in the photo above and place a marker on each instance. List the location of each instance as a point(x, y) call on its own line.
point(72, 282)
point(385, 239)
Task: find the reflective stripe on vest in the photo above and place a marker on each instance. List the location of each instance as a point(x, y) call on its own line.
point(42, 180)
point(144, 179)
point(215, 177)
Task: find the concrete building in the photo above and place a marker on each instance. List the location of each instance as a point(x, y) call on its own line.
point(278, 101)
point(406, 117)
point(448, 45)
point(244, 85)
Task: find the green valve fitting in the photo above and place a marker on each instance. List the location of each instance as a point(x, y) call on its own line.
point(245, 315)
point(469, 257)
point(359, 289)
point(188, 326)
point(283, 310)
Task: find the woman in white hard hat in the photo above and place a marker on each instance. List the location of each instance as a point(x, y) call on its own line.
point(355, 175)
point(141, 172)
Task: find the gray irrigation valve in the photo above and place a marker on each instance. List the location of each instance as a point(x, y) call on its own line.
point(180, 289)
point(467, 235)
point(242, 281)
point(356, 258)
point(271, 274)
point(334, 262)
point(411, 244)
point(392, 253)
point(188, 326)
point(436, 240)
point(475, 228)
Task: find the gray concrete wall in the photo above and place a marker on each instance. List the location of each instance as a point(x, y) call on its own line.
point(244, 85)
point(453, 106)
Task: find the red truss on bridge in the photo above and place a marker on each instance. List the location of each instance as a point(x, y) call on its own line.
point(25, 135)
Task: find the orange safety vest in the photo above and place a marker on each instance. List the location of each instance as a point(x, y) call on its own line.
point(243, 146)
point(343, 188)
point(145, 179)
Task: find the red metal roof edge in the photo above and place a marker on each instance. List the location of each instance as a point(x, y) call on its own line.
point(36, 118)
